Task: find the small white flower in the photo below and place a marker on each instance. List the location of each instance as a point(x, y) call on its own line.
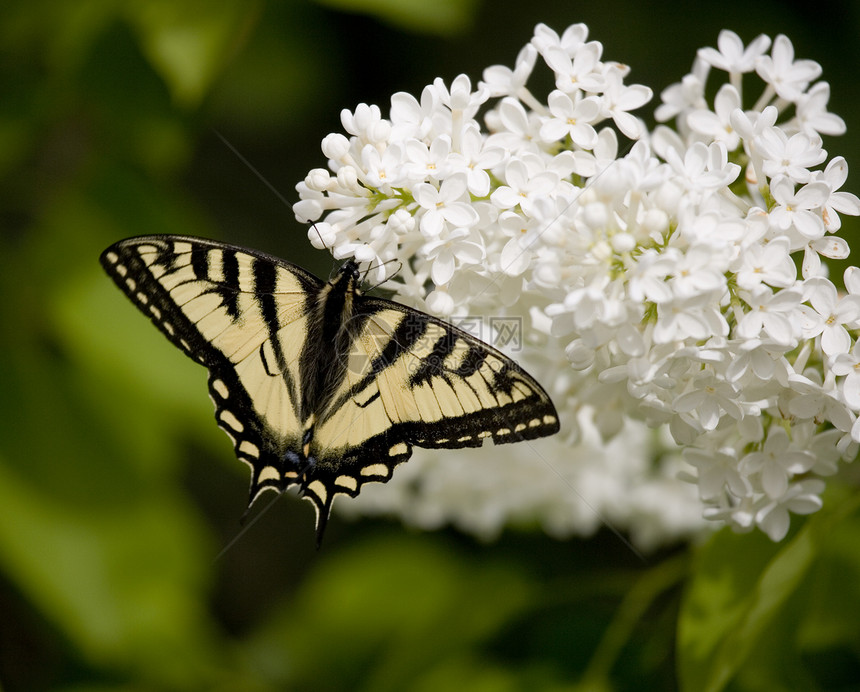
point(789, 156)
point(516, 130)
point(604, 153)
point(848, 365)
point(503, 81)
point(446, 253)
point(829, 246)
point(571, 119)
point(770, 264)
point(322, 235)
point(732, 56)
point(577, 72)
point(717, 473)
point(835, 175)
point(829, 315)
point(385, 168)
point(401, 222)
point(789, 78)
point(460, 98)
point(759, 360)
point(474, 160)
point(809, 400)
point(716, 125)
point(797, 210)
point(423, 162)
point(524, 234)
point(710, 399)
point(693, 317)
point(310, 208)
point(570, 41)
point(851, 277)
point(446, 205)
point(411, 119)
point(685, 96)
point(771, 313)
point(704, 168)
point(777, 463)
point(701, 270)
point(523, 186)
point(336, 148)
point(366, 123)
point(801, 498)
point(649, 279)
point(619, 99)
point(812, 112)
point(750, 125)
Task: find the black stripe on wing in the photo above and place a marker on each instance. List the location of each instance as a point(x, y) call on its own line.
point(527, 418)
point(515, 406)
point(271, 460)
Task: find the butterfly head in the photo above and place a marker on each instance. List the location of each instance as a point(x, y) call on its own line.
point(350, 269)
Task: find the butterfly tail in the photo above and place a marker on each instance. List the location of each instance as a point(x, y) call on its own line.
point(322, 522)
point(321, 498)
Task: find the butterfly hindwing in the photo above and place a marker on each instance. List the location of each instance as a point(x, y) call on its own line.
point(416, 380)
point(315, 384)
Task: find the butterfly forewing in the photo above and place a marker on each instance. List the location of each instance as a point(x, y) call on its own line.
point(315, 384)
point(240, 314)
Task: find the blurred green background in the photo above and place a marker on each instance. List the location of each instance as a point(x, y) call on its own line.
point(117, 491)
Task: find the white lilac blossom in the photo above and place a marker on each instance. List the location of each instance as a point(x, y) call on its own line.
point(699, 376)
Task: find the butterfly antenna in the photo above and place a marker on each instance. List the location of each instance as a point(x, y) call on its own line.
point(367, 271)
point(251, 167)
point(319, 235)
point(600, 515)
point(246, 525)
point(399, 266)
point(313, 225)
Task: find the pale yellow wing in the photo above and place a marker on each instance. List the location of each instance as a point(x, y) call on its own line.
point(416, 380)
point(243, 315)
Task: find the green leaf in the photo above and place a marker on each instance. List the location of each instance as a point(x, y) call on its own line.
point(831, 618)
point(189, 41)
point(827, 636)
point(123, 582)
point(441, 17)
point(739, 590)
point(396, 609)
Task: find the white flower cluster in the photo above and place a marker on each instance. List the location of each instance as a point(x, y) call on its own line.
point(659, 285)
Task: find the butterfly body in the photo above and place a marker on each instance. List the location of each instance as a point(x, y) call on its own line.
point(316, 384)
